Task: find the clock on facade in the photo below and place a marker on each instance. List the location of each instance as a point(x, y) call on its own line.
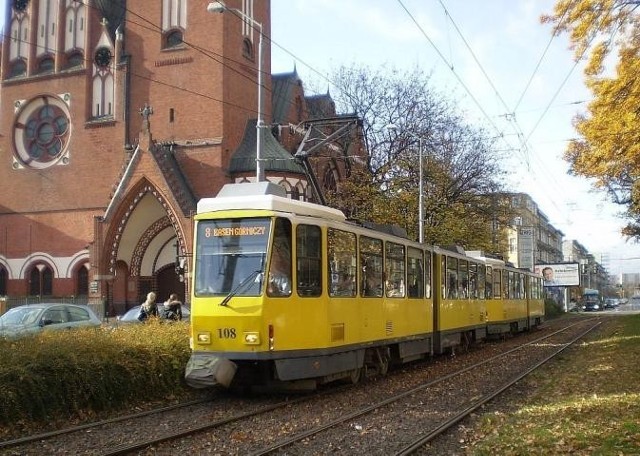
point(103, 57)
point(41, 131)
point(20, 5)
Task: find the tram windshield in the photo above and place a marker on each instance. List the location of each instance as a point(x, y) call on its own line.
point(229, 252)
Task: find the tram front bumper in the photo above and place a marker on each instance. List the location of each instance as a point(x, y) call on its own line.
point(205, 369)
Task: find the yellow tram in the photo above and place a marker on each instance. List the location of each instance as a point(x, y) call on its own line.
point(289, 291)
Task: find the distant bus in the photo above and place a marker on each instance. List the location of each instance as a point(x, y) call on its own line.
point(590, 294)
point(591, 299)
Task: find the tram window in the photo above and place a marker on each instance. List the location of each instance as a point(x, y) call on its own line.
point(540, 288)
point(481, 281)
point(309, 260)
point(371, 264)
point(427, 274)
point(497, 283)
point(452, 275)
point(523, 286)
point(444, 286)
point(505, 284)
point(513, 285)
point(473, 280)
point(228, 253)
point(517, 285)
point(394, 262)
point(488, 291)
point(279, 283)
point(463, 279)
point(341, 254)
point(415, 273)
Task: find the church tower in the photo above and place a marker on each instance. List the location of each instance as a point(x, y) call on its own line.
point(116, 117)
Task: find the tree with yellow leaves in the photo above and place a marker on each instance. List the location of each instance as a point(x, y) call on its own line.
point(608, 149)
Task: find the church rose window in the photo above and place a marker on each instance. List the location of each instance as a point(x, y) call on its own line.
point(41, 132)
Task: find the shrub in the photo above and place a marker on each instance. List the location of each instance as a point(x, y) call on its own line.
point(552, 308)
point(71, 372)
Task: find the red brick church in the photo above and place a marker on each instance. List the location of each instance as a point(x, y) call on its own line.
point(116, 118)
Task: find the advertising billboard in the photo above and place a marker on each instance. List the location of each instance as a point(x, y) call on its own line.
point(559, 275)
point(526, 245)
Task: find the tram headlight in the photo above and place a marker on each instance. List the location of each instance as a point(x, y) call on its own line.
point(252, 338)
point(204, 338)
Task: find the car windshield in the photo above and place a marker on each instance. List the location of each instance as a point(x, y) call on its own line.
point(227, 253)
point(20, 316)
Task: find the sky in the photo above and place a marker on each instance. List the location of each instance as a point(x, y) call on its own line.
point(501, 66)
point(496, 61)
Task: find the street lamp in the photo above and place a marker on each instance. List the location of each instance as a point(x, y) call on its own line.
point(220, 7)
point(420, 191)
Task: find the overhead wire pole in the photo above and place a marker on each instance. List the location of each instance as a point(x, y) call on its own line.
point(420, 195)
point(220, 7)
point(420, 182)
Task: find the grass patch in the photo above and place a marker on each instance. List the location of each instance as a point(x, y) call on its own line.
point(66, 374)
point(587, 403)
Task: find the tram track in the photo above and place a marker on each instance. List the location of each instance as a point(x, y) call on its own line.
point(441, 426)
point(96, 424)
point(232, 425)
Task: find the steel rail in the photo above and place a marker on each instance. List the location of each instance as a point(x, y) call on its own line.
point(142, 444)
point(94, 424)
point(419, 443)
point(390, 400)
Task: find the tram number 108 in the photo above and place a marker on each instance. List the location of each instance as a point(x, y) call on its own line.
point(226, 333)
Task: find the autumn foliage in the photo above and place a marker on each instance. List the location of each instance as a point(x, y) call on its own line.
point(606, 34)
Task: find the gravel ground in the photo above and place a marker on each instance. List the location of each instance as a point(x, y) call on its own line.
point(373, 434)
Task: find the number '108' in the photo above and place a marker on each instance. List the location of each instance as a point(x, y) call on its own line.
point(227, 333)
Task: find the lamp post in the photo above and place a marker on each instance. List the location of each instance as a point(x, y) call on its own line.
point(420, 184)
point(220, 7)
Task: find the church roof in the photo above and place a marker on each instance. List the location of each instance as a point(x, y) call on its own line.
point(282, 86)
point(176, 180)
point(275, 158)
point(320, 106)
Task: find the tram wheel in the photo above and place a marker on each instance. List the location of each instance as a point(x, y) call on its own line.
point(383, 363)
point(355, 375)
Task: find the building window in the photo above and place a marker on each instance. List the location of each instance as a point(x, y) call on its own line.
point(247, 48)
point(41, 131)
point(75, 60)
point(46, 65)
point(172, 39)
point(103, 84)
point(3, 281)
point(82, 281)
point(41, 281)
point(18, 68)
point(20, 5)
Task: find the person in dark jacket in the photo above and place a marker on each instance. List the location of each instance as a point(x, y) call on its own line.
point(173, 308)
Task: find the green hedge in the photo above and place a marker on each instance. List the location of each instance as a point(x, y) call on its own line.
point(551, 308)
point(68, 373)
